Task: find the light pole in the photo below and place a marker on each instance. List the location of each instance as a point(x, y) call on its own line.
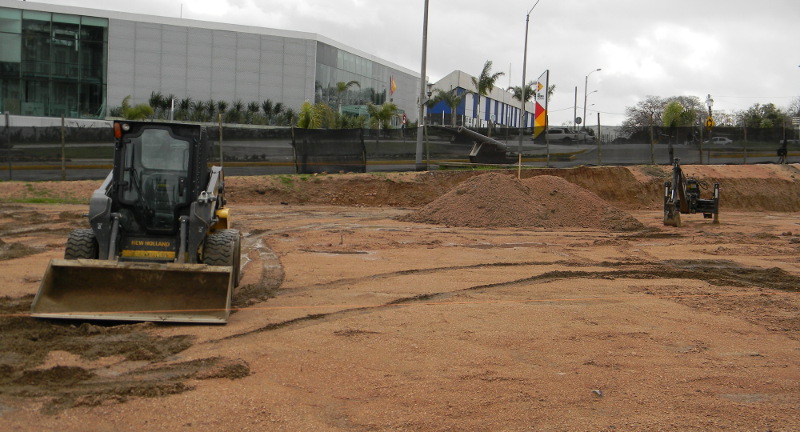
point(710, 120)
point(422, 85)
point(523, 89)
point(586, 95)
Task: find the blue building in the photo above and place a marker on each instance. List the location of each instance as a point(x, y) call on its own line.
point(499, 106)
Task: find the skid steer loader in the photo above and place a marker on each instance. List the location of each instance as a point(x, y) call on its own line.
point(160, 246)
point(682, 195)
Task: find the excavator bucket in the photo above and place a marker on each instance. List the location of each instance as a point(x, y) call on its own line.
point(128, 291)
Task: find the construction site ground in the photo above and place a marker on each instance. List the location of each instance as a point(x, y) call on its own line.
point(357, 311)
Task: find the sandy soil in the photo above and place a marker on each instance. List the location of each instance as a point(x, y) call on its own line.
point(350, 317)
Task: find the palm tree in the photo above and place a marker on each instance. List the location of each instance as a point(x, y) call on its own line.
point(451, 99)
point(234, 115)
point(484, 84)
point(529, 91)
point(210, 107)
point(342, 87)
point(316, 116)
point(252, 110)
point(222, 106)
point(156, 101)
point(277, 109)
point(184, 106)
point(266, 106)
point(288, 117)
point(198, 110)
point(381, 116)
point(169, 102)
point(517, 92)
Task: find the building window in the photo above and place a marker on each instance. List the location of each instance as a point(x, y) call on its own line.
point(52, 64)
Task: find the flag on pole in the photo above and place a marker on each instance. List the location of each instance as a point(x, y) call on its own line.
point(541, 96)
point(392, 85)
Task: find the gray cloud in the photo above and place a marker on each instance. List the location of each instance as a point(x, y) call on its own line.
point(741, 52)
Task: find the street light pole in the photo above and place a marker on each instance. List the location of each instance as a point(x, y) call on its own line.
point(586, 95)
point(523, 89)
point(422, 88)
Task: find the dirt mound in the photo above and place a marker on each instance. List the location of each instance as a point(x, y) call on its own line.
point(761, 187)
point(500, 200)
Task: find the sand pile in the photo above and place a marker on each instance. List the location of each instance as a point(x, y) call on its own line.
point(500, 200)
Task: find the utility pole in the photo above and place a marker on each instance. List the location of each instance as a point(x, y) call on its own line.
point(422, 87)
point(575, 109)
point(523, 92)
point(586, 95)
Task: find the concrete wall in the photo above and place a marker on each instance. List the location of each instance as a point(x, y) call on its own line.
point(207, 64)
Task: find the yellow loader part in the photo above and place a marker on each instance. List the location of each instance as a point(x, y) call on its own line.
point(134, 291)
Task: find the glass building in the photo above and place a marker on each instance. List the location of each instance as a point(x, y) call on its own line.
point(338, 66)
point(52, 64)
point(77, 62)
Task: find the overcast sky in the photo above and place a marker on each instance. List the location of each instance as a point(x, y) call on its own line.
point(741, 52)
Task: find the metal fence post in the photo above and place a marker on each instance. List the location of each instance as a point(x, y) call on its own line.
point(8, 148)
point(599, 139)
point(63, 151)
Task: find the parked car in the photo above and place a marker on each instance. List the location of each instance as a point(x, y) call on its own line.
point(721, 141)
point(567, 135)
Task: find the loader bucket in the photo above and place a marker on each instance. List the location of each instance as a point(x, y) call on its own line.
point(127, 291)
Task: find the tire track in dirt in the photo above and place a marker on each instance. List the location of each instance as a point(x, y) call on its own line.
point(715, 273)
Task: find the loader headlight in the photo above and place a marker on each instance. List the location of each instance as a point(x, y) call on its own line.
point(119, 128)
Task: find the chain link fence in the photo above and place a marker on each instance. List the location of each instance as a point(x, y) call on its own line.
point(80, 150)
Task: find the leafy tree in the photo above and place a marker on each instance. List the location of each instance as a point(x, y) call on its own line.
point(794, 108)
point(316, 116)
point(676, 115)
point(138, 112)
point(644, 114)
point(651, 112)
point(762, 116)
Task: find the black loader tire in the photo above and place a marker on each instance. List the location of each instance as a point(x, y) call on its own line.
point(223, 248)
point(81, 244)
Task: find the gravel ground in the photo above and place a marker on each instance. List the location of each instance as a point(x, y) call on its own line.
point(352, 317)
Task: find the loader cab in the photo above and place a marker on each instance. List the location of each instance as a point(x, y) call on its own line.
point(156, 169)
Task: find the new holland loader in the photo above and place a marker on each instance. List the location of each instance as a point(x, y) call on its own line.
point(160, 246)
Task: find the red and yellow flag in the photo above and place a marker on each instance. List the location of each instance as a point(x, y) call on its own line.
point(540, 115)
point(392, 85)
